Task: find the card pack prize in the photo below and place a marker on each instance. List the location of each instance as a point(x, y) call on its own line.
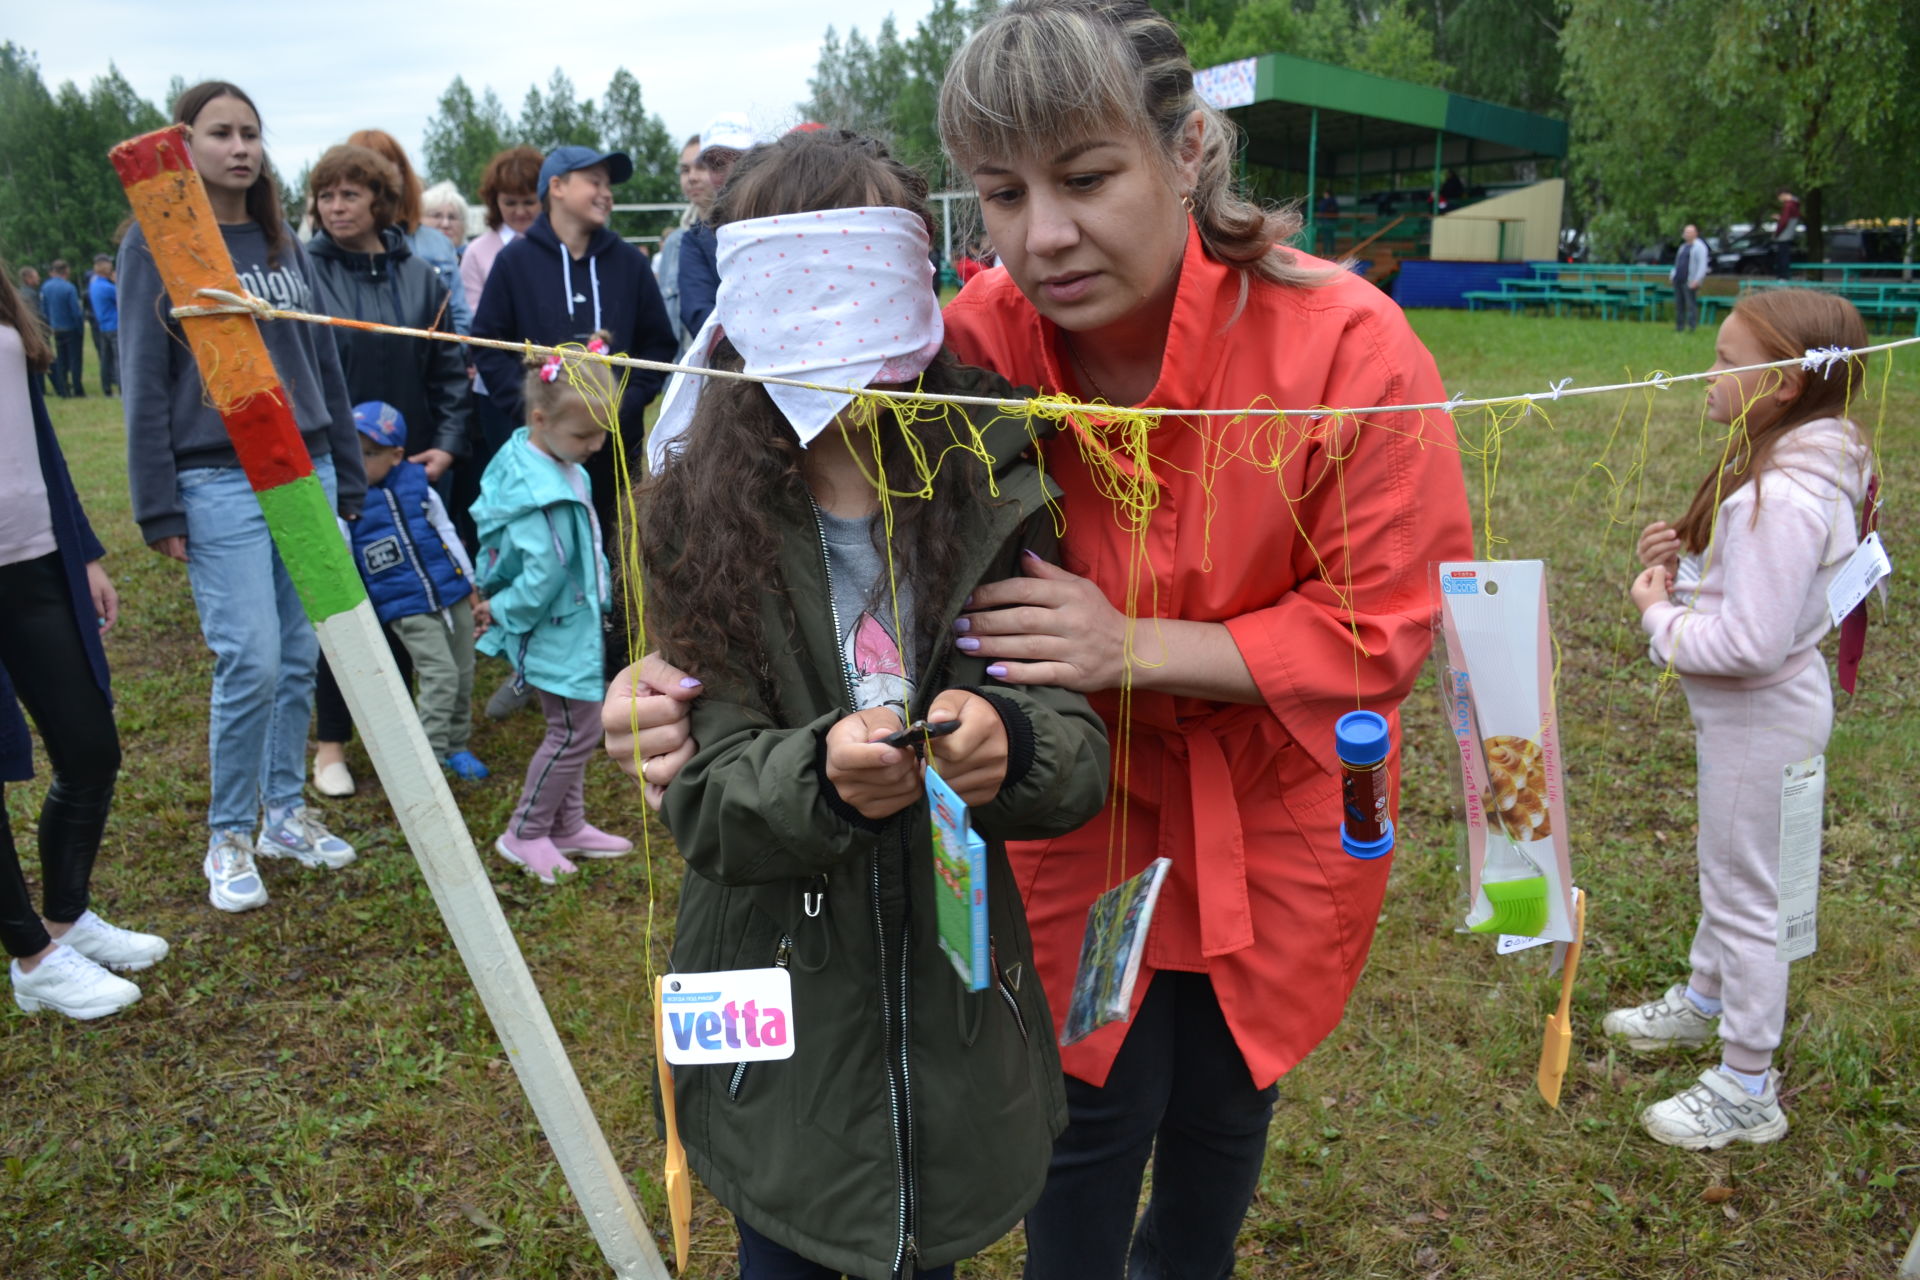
point(959, 883)
point(1499, 696)
point(1110, 954)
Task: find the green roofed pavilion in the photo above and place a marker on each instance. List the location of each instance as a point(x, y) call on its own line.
point(1337, 127)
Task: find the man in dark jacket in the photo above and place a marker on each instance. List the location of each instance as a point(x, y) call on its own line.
point(566, 278)
point(60, 305)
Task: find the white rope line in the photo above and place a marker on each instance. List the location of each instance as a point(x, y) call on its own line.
point(1821, 360)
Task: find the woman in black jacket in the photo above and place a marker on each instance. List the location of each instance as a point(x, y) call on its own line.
point(364, 270)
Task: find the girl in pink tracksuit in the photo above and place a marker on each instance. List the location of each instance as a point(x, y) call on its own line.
point(1748, 568)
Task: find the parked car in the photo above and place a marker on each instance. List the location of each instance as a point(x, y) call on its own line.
point(1749, 251)
point(1865, 244)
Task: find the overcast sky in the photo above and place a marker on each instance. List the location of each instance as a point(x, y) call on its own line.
point(319, 72)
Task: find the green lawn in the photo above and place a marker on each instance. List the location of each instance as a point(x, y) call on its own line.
point(313, 1090)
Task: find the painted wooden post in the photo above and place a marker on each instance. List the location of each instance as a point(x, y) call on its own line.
point(173, 210)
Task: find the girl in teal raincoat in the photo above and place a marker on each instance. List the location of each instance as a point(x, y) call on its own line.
point(543, 569)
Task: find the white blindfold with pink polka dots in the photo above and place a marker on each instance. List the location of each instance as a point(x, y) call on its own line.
point(841, 297)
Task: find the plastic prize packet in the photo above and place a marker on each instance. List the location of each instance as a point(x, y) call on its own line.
point(1499, 695)
point(959, 883)
point(1110, 955)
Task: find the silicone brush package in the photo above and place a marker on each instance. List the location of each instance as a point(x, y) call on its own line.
point(1499, 693)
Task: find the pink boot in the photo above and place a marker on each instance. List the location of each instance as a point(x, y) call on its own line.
point(591, 842)
point(537, 854)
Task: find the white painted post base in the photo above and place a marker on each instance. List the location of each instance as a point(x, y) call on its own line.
point(357, 649)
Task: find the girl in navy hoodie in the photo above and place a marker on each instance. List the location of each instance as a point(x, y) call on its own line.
point(194, 503)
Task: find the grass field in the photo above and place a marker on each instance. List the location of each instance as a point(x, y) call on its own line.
point(313, 1090)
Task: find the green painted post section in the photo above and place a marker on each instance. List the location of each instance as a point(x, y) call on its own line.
point(302, 523)
point(1313, 184)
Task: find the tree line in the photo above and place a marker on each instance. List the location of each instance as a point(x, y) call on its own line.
point(1681, 110)
point(59, 198)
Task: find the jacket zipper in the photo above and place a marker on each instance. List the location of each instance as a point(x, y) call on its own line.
point(413, 558)
point(893, 1019)
point(781, 956)
point(1006, 992)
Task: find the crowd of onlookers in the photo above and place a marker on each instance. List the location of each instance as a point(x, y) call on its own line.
point(428, 451)
point(69, 311)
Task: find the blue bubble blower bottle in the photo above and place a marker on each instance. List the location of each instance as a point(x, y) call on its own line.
point(1362, 742)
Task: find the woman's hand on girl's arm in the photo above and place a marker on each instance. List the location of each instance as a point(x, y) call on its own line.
point(1053, 627)
point(106, 601)
point(876, 779)
point(173, 547)
point(1660, 545)
point(973, 758)
point(645, 719)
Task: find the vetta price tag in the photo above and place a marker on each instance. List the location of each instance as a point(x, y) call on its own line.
point(739, 1015)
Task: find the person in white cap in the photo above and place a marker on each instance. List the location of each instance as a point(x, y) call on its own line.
point(725, 139)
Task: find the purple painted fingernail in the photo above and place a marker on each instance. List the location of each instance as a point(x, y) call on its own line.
point(1031, 554)
point(968, 644)
point(997, 671)
point(963, 624)
point(688, 682)
point(967, 603)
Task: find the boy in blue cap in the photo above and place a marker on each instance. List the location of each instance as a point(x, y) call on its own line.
point(420, 581)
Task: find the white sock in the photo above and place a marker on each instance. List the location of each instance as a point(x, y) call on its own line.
point(1754, 1085)
point(279, 813)
point(1708, 1005)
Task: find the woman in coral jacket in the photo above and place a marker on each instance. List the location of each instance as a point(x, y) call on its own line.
point(1280, 579)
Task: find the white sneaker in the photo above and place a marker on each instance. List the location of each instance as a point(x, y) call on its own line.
point(111, 946)
point(233, 882)
point(300, 836)
point(1670, 1022)
point(334, 779)
point(1715, 1112)
point(67, 982)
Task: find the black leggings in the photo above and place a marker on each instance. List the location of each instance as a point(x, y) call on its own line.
point(48, 666)
point(1180, 1092)
point(332, 722)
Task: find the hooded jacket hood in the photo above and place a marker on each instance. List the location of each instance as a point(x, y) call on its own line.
point(426, 381)
point(520, 481)
point(374, 266)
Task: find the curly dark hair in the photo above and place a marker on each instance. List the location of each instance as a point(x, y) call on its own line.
point(712, 519)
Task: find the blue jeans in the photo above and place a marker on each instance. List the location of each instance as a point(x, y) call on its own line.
point(264, 649)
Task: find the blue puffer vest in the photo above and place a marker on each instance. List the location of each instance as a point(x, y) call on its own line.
point(406, 568)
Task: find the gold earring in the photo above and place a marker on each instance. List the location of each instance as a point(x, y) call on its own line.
point(1187, 201)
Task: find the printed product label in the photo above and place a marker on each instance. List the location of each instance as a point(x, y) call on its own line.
point(1803, 791)
point(739, 1015)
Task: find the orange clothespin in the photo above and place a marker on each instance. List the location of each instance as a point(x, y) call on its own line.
point(679, 1180)
point(1557, 1047)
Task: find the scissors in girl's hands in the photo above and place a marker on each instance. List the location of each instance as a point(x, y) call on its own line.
point(919, 733)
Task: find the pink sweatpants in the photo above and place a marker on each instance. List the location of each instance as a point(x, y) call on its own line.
point(1743, 738)
point(553, 801)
